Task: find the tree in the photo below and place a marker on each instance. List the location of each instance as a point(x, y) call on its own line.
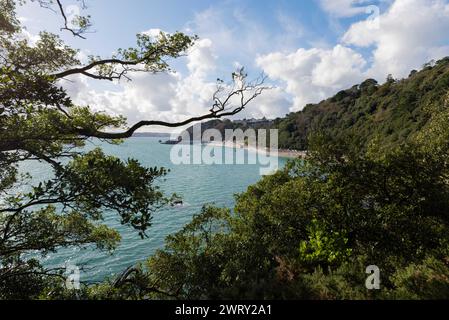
point(309, 231)
point(40, 122)
point(394, 111)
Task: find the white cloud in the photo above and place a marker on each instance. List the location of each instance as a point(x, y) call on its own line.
point(31, 38)
point(410, 33)
point(201, 59)
point(163, 96)
point(238, 34)
point(338, 68)
point(344, 8)
point(314, 74)
point(193, 94)
point(146, 95)
point(154, 32)
point(76, 87)
point(273, 103)
point(170, 96)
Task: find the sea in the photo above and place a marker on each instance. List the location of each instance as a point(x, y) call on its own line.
point(197, 184)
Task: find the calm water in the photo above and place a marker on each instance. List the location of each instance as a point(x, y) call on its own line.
point(197, 184)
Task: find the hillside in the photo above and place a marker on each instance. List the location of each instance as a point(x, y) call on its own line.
point(393, 111)
point(222, 125)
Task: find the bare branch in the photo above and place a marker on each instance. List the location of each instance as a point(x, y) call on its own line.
point(76, 33)
point(222, 107)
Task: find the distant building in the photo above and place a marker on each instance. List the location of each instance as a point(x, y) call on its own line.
point(253, 121)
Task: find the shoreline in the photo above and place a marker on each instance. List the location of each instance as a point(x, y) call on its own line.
point(281, 153)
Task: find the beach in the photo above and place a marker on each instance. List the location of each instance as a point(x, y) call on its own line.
point(282, 153)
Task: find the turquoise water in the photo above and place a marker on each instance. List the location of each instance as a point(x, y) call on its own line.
point(196, 184)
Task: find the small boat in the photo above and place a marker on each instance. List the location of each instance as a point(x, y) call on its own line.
point(177, 203)
point(171, 141)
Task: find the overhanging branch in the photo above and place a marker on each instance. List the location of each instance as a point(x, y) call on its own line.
point(98, 63)
point(222, 107)
point(76, 33)
point(128, 133)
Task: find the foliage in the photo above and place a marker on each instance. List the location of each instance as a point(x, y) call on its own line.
point(40, 122)
point(394, 111)
point(310, 230)
point(373, 189)
point(426, 280)
point(323, 246)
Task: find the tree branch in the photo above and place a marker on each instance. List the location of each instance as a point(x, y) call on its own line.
point(96, 64)
point(128, 133)
point(220, 109)
point(76, 33)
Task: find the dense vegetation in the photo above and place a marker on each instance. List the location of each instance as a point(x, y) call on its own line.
point(39, 122)
point(371, 191)
point(394, 111)
point(374, 189)
point(310, 230)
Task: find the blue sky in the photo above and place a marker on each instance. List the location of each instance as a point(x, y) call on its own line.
point(309, 49)
point(117, 22)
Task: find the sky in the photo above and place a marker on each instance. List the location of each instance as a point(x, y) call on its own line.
point(309, 49)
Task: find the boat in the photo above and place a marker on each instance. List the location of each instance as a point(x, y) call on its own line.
point(171, 142)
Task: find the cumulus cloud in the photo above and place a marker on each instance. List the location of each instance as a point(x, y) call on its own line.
point(146, 95)
point(194, 92)
point(154, 32)
point(409, 33)
point(313, 74)
point(272, 104)
point(170, 96)
point(31, 38)
point(164, 96)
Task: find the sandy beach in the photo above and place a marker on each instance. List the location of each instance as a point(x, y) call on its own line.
point(282, 153)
